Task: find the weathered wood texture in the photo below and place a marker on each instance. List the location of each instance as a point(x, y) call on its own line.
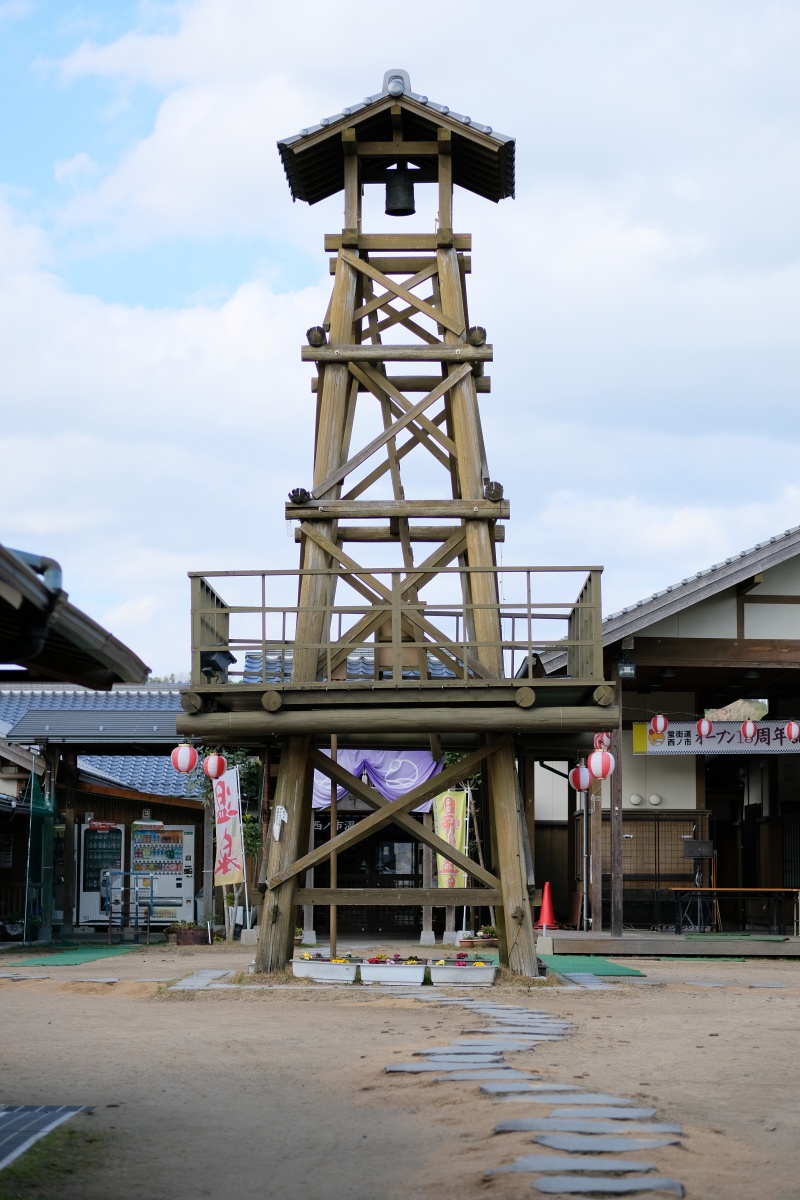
point(404, 897)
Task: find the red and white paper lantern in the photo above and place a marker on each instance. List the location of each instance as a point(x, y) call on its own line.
point(601, 764)
point(215, 766)
point(602, 741)
point(659, 723)
point(704, 727)
point(184, 758)
point(580, 779)
point(749, 730)
point(793, 731)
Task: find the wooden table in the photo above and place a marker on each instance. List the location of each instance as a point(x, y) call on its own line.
point(684, 897)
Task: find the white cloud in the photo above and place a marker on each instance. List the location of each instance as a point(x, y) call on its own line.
point(641, 293)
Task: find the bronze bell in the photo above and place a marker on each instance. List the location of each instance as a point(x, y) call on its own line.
point(400, 192)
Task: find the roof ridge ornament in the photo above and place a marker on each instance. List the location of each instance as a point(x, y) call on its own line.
point(396, 81)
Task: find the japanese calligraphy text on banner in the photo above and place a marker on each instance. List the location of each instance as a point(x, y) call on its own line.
point(450, 823)
point(228, 816)
point(725, 738)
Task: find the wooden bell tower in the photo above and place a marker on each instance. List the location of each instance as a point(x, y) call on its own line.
point(425, 651)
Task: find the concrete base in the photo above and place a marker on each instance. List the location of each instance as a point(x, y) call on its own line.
point(309, 937)
point(427, 938)
point(643, 944)
point(450, 937)
point(249, 937)
point(544, 945)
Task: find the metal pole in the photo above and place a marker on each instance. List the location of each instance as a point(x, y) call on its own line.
point(585, 861)
point(334, 822)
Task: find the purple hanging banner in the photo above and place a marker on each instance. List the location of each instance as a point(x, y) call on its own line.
point(392, 772)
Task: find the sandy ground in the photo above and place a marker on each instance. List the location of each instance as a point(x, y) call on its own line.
point(283, 1091)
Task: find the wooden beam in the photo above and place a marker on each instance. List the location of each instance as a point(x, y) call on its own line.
point(397, 241)
point(385, 718)
point(403, 293)
point(355, 510)
point(397, 149)
point(375, 800)
point(417, 383)
point(343, 352)
point(717, 652)
point(430, 268)
point(405, 897)
point(406, 265)
point(416, 533)
point(384, 816)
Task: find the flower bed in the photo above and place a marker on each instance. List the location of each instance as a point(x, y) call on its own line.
point(462, 972)
point(396, 970)
point(325, 970)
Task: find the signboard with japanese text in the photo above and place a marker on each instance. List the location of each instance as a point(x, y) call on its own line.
point(681, 737)
point(229, 862)
point(450, 823)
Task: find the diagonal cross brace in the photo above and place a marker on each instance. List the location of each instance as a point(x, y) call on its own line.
point(398, 426)
point(384, 816)
point(372, 797)
point(359, 264)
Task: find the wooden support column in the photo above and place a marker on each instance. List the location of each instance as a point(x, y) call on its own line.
point(501, 769)
point(293, 793)
point(427, 937)
point(596, 855)
point(572, 890)
point(616, 827)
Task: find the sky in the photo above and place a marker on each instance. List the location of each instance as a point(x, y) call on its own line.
point(641, 292)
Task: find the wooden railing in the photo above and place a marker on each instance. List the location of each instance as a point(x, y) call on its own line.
point(397, 639)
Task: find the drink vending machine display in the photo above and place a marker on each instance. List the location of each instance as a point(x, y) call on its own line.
point(166, 852)
point(102, 848)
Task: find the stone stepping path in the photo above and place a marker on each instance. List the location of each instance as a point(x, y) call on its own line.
point(550, 1096)
point(572, 1185)
point(594, 1143)
point(577, 1125)
point(536, 1163)
point(198, 981)
point(587, 1130)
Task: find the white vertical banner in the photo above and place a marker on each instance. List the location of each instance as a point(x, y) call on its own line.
point(229, 863)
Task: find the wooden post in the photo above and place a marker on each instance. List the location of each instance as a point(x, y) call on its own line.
point(209, 827)
point(596, 854)
point(616, 826)
point(333, 858)
point(276, 936)
point(501, 768)
point(427, 937)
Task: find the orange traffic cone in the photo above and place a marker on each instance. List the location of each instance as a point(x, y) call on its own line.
point(546, 915)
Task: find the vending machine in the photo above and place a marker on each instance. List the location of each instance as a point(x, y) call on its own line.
point(166, 852)
point(102, 849)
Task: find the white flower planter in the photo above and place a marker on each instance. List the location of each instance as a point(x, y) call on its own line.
point(324, 972)
point(451, 976)
point(405, 973)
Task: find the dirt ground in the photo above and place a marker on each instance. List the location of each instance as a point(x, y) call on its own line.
point(282, 1091)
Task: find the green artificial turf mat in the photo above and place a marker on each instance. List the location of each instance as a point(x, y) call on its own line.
point(73, 958)
point(589, 964)
point(699, 958)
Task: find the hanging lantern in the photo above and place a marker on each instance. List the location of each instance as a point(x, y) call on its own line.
point(704, 727)
point(215, 766)
point(659, 723)
point(602, 741)
point(793, 731)
point(749, 730)
point(601, 764)
point(580, 779)
point(184, 758)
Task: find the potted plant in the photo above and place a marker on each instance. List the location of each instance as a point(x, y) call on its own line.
point(298, 935)
point(189, 934)
point(462, 972)
point(33, 923)
point(486, 936)
point(395, 970)
point(325, 970)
